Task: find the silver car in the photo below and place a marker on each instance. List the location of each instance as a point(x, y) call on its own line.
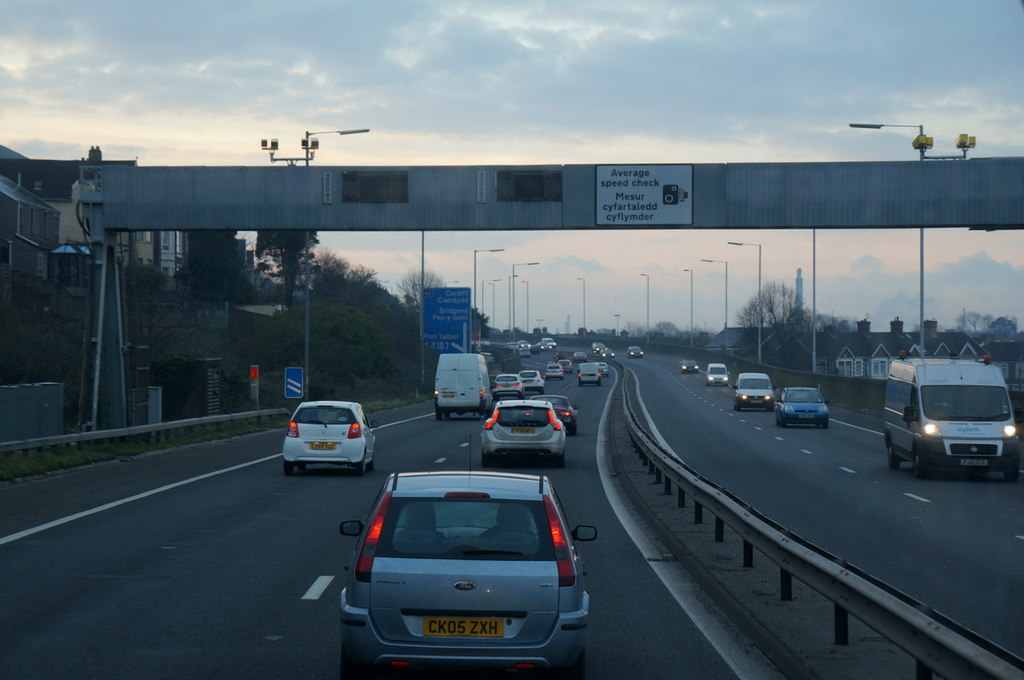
point(523, 427)
point(458, 570)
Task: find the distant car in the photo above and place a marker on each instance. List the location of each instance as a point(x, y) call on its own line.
point(567, 366)
point(331, 433)
point(801, 406)
point(554, 372)
point(607, 353)
point(564, 409)
point(605, 369)
point(588, 373)
point(754, 390)
point(512, 594)
point(532, 381)
point(547, 343)
point(562, 355)
point(523, 427)
point(524, 350)
point(597, 347)
point(507, 385)
point(716, 374)
point(634, 352)
point(689, 366)
point(579, 357)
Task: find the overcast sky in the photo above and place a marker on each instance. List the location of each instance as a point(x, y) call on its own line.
point(539, 82)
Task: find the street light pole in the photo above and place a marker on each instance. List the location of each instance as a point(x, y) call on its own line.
point(309, 148)
point(474, 303)
point(580, 278)
point(726, 289)
point(648, 277)
point(512, 285)
point(527, 284)
point(922, 143)
point(760, 302)
point(691, 305)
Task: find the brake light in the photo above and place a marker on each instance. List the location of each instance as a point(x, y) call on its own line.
point(556, 424)
point(489, 425)
point(566, 572)
point(467, 494)
point(293, 429)
point(355, 431)
point(364, 565)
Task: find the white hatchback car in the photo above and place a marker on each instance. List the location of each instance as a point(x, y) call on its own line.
point(331, 433)
point(533, 381)
point(523, 427)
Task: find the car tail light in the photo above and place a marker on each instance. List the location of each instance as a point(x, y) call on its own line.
point(489, 425)
point(293, 429)
point(566, 572)
point(555, 422)
point(565, 414)
point(467, 494)
point(355, 431)
point(364, 565)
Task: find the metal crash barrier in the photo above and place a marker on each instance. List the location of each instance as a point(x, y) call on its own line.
point(938, 644)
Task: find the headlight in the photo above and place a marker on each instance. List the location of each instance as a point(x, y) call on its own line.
point(768, 397)
point(788, 409)
point(743, 397)
point(1009, 430)
point(931, 429)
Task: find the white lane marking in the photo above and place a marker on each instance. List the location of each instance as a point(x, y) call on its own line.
point(758, 427)
point(685, 593)
point(318, 588)
point(857, 427)
point(809, 453)
point(916, 498)
point(440, 460)
point(779, 438)
point(146, 494)
point(846, 469)
point(407, 420)
point(463, 445)
point(1020, 537)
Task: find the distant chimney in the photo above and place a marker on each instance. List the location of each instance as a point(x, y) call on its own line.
point(896, 326)
point(95, 155)
point(864, 326)
point(931, 327)
point(799, 289)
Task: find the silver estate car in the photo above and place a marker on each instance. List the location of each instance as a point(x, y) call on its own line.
point(465, 570)
point(523, 427)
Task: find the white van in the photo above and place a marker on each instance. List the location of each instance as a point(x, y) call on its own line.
point(716, 374)
point(754, 390)
point(461, 385)
point(950, 414)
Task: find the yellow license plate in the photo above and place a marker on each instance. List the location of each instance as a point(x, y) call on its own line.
point(524, 430)
point(322, 446)
point(448, 395)
point(450, 627)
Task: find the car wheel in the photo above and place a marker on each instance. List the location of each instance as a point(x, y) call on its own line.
point(350, 670)
point(369, 465)
point(360, 467)
point(919, 470)
point(598, 382)
point(559, 461)
point(890, 456)
point(571, 430)
point(825, 425)
point(780, 422)
point(580, 383)
point(735, 407)
point(1011, 475)
point(289, 468)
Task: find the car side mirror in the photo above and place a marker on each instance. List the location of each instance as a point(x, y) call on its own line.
point(735, 386)
point(584, 532)
point(351, 527)
point(909, 414)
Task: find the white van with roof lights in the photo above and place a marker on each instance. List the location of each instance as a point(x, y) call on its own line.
point(950, 414)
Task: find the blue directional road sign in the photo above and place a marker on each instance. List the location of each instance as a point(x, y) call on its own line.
point(293, 382)
point(446, 319)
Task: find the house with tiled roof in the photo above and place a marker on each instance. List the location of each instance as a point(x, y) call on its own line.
point(863, 352)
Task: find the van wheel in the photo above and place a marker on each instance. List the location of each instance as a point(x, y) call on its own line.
point(919, 470)
point(1011, 475)
point(437, 415)
point(891, 457)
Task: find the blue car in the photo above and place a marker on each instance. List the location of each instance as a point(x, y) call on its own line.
point(801, 406)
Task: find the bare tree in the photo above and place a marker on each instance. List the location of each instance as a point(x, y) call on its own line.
point(778, 307)
point(666, 329)
point(409, 289)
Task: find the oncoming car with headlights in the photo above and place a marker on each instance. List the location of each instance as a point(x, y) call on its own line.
point(465, 570)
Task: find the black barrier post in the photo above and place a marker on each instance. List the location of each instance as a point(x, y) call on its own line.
point(719, 530)
point(698, 513)
point(748, 554)
point(680, 498)
point(842, 626)
point(668, 486)
point(657, 475)
point(785, 585)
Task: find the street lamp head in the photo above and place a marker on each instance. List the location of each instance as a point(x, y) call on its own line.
point(871, 126)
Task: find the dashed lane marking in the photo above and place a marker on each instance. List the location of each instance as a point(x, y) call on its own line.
point(916, 498)
point(318, 588)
